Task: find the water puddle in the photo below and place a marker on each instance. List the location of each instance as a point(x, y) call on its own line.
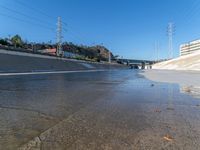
point(129, 107)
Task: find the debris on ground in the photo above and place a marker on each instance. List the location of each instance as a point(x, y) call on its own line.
point(170, 108)
point(157, 110)
point(168, 138)
point(152, 85)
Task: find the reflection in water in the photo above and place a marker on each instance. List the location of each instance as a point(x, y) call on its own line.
point(191, 90)
point(170, 97)
point(120, 105)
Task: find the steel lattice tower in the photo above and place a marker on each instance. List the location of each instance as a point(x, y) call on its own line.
point(59, 37)
point(170, 33)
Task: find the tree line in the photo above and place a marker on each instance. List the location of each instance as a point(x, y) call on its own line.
point(97, 52)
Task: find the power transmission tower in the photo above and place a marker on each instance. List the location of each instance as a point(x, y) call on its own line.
point(59, 37)
point(170, 33)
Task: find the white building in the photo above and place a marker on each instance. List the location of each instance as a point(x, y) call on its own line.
point(190, 47)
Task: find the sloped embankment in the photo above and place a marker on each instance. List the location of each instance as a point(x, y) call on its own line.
point(24, 62)
point(188, 62)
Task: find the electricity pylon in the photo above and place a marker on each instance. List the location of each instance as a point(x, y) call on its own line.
point(170, 33)
point(59, 37)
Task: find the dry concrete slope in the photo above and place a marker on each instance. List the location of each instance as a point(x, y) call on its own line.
point(26, 62)
point(188, 62)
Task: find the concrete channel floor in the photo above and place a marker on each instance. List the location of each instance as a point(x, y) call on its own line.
point(110, 110)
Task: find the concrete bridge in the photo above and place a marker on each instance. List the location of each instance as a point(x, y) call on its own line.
point(133, 63)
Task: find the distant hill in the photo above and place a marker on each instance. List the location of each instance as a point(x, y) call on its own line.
point(93, 53)
point(188, 62)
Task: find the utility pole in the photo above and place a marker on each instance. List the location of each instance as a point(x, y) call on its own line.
point(109, 57)
point(59, 37)
point(170, 33)
point(33, 49)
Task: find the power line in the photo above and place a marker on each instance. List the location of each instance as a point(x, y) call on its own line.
point(78, 36)
point(191, 12)
point(72, 34)
point(26, 21)
point(35, 10)
point(22, 14)
point(39, 11)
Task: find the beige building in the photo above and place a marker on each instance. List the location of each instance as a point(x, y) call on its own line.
point(190, 47)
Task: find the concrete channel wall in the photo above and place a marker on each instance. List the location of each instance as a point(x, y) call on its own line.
point(186, 62)
point(11, 61)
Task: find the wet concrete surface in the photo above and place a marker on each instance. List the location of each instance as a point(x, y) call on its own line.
point(22, 62)
point(108, 110)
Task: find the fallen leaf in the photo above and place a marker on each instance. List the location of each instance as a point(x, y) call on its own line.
point(168, 138)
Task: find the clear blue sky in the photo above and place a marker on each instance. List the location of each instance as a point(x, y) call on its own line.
point(128, 28)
